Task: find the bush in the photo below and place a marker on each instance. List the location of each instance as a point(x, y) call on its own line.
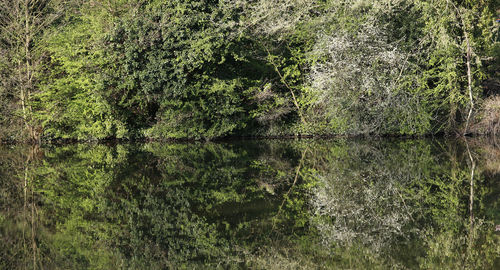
point(489, 122)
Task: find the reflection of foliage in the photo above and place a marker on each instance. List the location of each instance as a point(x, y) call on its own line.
point(161, 230)
point(151, 206)
point(478, 248)
point(360, 200)
point(218, 174)
point(397, 200)
point(272, 205)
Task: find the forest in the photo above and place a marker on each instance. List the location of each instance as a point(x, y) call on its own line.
point(207, 69)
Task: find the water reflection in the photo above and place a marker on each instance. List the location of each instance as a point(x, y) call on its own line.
point(251, 204)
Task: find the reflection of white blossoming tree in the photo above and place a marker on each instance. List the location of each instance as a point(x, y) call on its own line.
point(359, 199)
point(377, 198)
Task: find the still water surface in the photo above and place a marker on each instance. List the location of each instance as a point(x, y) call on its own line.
point(296, 204)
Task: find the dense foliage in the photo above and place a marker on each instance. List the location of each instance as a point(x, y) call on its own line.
point(206, 69)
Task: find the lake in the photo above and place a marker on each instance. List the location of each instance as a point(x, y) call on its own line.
point(252, 204)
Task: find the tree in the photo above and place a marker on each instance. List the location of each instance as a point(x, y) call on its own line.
point(274, 26)
point(456, 38)
point(23, 22)
point(361, 77)
point(179, 73)
point(71, 103)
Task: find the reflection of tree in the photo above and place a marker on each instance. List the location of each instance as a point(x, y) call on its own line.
point(489, 163)
point(19, 210)
point(282, 205)
point(400, 202)
point(46, 225)
point(463, 235)
point(160, 230)
point(152, 206)
point(360, 198)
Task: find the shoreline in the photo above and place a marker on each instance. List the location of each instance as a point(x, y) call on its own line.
point(243, 138)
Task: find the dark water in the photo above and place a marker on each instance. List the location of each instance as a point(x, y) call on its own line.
point(337, 204)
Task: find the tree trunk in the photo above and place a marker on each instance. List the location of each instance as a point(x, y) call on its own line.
point(469, 79)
